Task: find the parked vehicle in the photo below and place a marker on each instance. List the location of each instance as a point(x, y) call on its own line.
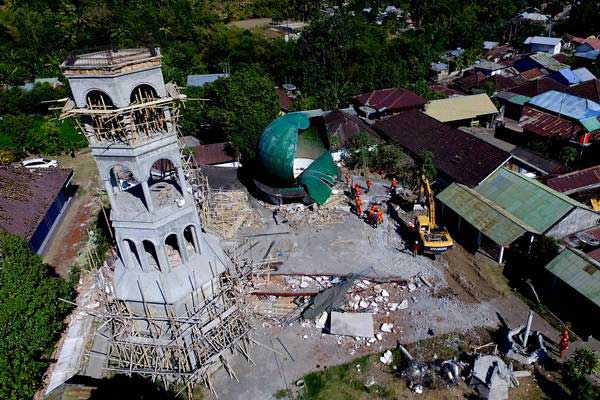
point(39, 163)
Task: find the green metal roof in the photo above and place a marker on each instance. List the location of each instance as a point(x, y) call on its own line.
point(519, 99)
point(579, 271)
point(494, 222)
point(319, 177)
point(278, 143)
point(591, 124)
point(528, 200)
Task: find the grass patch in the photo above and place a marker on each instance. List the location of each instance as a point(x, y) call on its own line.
point(6, 141)
point(69, 133)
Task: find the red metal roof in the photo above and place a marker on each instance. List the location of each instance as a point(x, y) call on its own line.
point(561, 58)
point(594, 43)
point(26, 195)
point(532, 73)
point(538, 86)
point(547, 125)
point(499, 51)
point(576, 181)
point(462, 157)
point(393, 99)
point(589, 90)
point(214, 153)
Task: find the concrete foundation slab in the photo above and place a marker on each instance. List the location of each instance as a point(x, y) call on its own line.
point(352, 324)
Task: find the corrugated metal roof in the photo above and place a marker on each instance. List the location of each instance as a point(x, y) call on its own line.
point(566, 104)
point(548, 125)
point(584, 74)
point(201, 80)
point(392, 99)
point(528, 200)
point(579, 271)
point(494, 222)
point(549, 41)
point(519, 99)
point(589, 90)
point(548, 62)
point(459, 108)
point(575, 181)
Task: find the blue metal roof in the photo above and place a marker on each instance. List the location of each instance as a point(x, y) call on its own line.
point(566, 104)
point(590, 55)
point(584, 74)
point(201, 80)
point(566, 76)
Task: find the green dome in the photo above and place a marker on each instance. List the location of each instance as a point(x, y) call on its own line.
point(278, 143)
point(277, 150)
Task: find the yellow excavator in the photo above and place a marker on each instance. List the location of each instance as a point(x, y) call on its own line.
point(433, 239)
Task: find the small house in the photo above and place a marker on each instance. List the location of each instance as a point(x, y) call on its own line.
point(378, 103)
point(548, 45)
point(474, 110)
point(32, 202)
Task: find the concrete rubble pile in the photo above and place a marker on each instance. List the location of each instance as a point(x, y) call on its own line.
point(491, 378)
point(523, 345)
point(421, 375)
point(334, 211)
point(328, 303)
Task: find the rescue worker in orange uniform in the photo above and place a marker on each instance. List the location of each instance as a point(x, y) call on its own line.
point(357, 190)
point(373, 216)
point(564, 343)
point(359, 206)
point(393, 184)
point(369, 184)
point(379, 217)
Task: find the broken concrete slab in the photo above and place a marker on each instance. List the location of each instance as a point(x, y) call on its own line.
point(352, 324)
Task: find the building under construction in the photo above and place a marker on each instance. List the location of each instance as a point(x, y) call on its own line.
point(173, 304)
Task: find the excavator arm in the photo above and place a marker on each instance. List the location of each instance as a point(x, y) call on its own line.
point(427, 196)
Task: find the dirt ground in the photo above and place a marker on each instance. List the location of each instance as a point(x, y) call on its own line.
point(62, 250)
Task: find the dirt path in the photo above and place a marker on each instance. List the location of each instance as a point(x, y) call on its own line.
point(65, 243)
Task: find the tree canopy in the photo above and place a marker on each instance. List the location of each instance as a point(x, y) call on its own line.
point(31, 317)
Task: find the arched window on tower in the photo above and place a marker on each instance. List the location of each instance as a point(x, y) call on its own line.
point(150, 254)
point(147, 119)
point(164, 184)
point(189, 234)
point(132, 253)
point(105, 126)
point(128, 192)
point(172, 250)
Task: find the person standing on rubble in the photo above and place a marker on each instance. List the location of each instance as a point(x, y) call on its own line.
point(393, 185)
point(347, 177)
point(416, 248)
point(379, 217)
point(564, 343)
point(369, 184)
point(357, 192)
point(359, 206)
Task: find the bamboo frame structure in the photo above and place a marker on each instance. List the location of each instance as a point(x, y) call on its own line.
point(182, 349)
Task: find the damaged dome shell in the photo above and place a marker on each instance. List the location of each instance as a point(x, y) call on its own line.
point(277, 154)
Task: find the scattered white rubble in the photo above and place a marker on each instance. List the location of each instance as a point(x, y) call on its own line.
point(386, 358)
point(387, 327)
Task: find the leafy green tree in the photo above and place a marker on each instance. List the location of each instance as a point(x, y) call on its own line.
point(422, 89)
point(31, 317)
point(427, 165)
point(361, 151)
point(583, 362)
point(567, 154)
point(241, 107)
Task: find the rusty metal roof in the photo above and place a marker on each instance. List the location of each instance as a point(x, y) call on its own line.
point(393, 99)
point(530, 201)
point(492, 220)
point(576, 181)
point(579, 271)
point(26, 195)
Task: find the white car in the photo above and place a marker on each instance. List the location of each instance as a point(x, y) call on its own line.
point(39, 163)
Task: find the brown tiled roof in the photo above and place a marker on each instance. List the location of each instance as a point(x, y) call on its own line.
point(393, 99)
point(462, 157)
point(589, 90)
point(285, 102)
point(214, 153)
point(576, 181)
point(538, 86)
point(449, 92)
point(26, 195)
point(532, 73)
point(561, 58)
point(547, 125)
point(499, 51)
point(504, 83)
point(344, 126)
point(471, 81)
